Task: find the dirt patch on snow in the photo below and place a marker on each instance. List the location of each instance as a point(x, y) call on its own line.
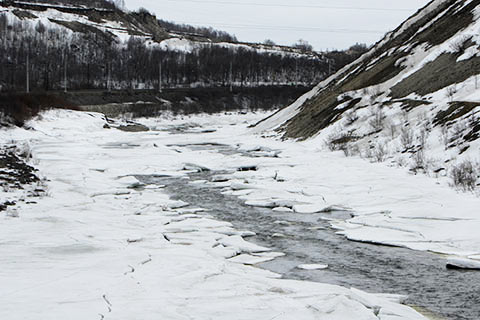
point(436, 75)
point(15, 174)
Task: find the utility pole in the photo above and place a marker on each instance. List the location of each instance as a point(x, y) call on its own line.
point(231, 76)
point(160, 77)
point(296, 73)
point(109, 83)
point(28, 71)
point(65, 71)
point(6, 34)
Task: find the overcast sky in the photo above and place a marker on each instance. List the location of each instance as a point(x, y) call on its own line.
point(326, 24)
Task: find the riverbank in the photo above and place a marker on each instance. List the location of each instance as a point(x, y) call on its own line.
point(101, 244)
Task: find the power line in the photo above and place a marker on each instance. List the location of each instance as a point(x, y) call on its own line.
point(293, 6)
point(284, 28)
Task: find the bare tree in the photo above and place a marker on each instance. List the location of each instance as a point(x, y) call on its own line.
point(303, 45)
point(269, 42)
point(451, 91)
point(377, 121)
point(406, 137)
point(465, 175)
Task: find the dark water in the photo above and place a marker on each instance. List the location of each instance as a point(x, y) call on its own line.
point(309, 239)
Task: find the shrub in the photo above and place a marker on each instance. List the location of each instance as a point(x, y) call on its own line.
point(350, 117)
point(340, 141)
point(143, 11)
point(374, 94)
point(451, 91)
point(419, 161)
point(444, 136)
point(406, 138)
point(379, 152)
point(303, 45)
point(378, 120)
point(392, 129)
point(350, 150)
point(465, 175)
point(422, 138)
point(458, 130)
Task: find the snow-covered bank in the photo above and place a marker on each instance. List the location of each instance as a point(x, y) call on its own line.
point(101, 245)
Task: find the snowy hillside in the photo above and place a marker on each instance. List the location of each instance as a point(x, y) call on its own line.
point(104, 47)
point(122, 25)
point(413, 100)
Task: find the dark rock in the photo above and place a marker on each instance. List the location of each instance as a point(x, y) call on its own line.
point(133, 128)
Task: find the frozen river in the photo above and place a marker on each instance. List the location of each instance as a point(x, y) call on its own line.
point(309, 239)
point(109, 242)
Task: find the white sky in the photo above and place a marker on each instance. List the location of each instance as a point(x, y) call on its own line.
point(326, 24)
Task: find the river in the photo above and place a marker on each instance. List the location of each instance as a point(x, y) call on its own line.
point(309, 239)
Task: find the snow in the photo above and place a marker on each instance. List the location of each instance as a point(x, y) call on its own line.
point(282, 209)
point(462, 263)
point(242, 245)
point(134, 253)
point(312, 266)
point(255, 259)
point(176, 44)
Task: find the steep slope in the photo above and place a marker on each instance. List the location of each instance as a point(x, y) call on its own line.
point(413, 98)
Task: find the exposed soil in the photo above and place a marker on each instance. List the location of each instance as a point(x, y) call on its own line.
point(317, 114)
point(456, 110)
point(440, 73)
point(186, 101)
point(449, 24)
point(15, 174)
point(76, 26)
point(382, 71)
